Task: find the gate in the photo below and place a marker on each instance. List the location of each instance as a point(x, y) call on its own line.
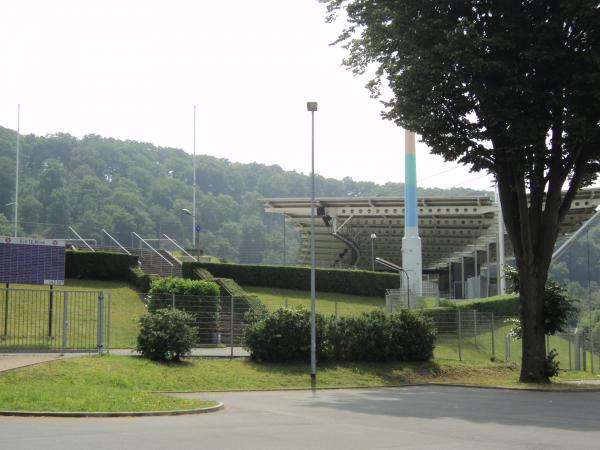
point(42, 320)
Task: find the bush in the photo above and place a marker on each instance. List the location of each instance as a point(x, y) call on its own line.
point(500, 306)
point(284, 335)
point(197, 297)
point(99, 265)
point(356, 282)
point(166, 335)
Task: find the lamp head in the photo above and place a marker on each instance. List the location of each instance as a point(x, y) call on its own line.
point(311, 106)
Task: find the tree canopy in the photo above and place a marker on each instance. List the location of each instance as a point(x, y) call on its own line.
point(512, 88)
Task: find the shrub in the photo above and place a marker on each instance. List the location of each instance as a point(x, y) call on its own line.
point(357, 282)
point(99, 265)
point(412, 336)
point(281, 336)
point(196, 297)
point(284, 335)
point(166, 335)
point(500, 306)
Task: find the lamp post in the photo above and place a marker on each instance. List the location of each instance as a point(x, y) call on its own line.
point(16, 202)
point(397, 268)
point(312, 107)
point(193, 214)
point(373, 237)
point(195, 230)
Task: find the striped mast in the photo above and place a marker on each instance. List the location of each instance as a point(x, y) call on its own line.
point(411, 242)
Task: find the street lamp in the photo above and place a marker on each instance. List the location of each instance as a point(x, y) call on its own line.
point(196, 229)
point(397, 268)
point(312, 107)
point(373, 237)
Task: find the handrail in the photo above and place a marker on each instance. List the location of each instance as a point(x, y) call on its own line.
point(351, 245)
point(115, 241)
point(152, 248)
point(178, 246)
point(81, 239)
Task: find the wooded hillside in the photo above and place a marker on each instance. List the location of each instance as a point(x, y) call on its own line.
point(123, 186)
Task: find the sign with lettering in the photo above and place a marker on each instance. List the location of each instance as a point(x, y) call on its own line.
point(32, 261)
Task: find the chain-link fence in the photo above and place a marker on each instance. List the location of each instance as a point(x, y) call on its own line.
point(219, 320)
point(473, 335)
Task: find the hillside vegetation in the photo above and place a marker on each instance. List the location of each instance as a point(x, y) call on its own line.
point(123, 186)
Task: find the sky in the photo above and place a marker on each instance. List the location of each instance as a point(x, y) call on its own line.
point(135, 70)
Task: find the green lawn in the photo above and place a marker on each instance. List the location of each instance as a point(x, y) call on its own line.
point(125, 383)
point(479, 347)
point(347, 304)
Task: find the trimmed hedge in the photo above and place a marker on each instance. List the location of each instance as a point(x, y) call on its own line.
point(356, 282)
point(284, 335)
point(142, 281)
point(198, 298)
point(503, 306)
point(99, 265)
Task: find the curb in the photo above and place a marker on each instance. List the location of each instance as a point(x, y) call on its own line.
point(177, 412)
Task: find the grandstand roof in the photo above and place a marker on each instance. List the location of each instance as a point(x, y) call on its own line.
point(449, 227)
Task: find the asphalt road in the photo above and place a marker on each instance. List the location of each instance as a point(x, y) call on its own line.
point(428, 417)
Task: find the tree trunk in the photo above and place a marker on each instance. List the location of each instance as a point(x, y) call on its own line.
point(531, 290)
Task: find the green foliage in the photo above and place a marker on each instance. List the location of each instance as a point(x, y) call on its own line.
point(559, 307)
point(500, 306)
point(485, 84)
point(552, 364)
point(356, 282)
point(123, 186)
point(140, 280)
point(284, 335)
point(199, 298)
point(184, 286)
point(99, 265)
point(166, 335)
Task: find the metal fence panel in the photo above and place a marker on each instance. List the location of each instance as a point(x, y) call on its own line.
point(43, 320)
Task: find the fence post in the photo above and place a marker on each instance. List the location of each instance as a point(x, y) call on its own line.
point(6, 311)
point(591, 351)
point(569, 340)
point(107, 308)
point(475, 327)
point(100, 320)
point(493, 326)
point(173, 301)
point(65, 320)
point(584, 353)
point(50, 310)
point(231, 330)
point(577, 351)
point(459, 336)
point(507, 348)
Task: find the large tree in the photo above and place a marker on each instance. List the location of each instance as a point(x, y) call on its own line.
point(509, 87)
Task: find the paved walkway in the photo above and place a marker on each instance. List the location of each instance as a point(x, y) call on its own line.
point(14, 361)
point(10, 361)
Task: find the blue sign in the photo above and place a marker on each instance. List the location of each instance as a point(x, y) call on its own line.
point(198, 228)
point(32, 261)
